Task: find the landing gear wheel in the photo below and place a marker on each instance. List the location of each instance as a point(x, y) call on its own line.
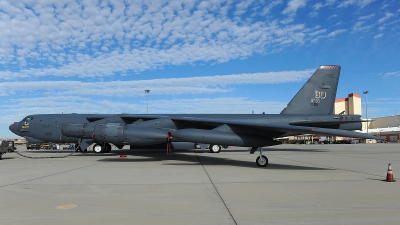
point(107, 148)
point(262, 161)
point(215, 148)
point(97, 148)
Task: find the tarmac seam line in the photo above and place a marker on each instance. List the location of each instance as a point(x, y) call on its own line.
point(216, 189)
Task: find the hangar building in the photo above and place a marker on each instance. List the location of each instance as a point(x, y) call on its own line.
point(387, 127)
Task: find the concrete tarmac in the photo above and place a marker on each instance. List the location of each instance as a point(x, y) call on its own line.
point(303, 184)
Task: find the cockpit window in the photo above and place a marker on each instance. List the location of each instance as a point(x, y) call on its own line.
point(28, 118)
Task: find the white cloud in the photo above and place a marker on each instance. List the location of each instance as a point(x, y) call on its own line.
point(360, 3)
point(167, 86)
point(241, 7)
point(386, 17)
point(361, 26)
point(378, 36)
point(89, 39)
point(271, 5)
point(293, 6)
point(330, 2)
point(332, 16)
point(316, 8)
point(391, 74)
point(318, 5)
point(318, 32)
point(95, 39)
point(336, 32)
point(366, 17)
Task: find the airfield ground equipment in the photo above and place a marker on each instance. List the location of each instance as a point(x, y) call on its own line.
point(6, 146)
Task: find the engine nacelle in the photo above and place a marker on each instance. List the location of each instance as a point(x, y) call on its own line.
point(78, 130)
point(129, 134)
point(116, 133)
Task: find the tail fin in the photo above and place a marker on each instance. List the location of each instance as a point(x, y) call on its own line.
point(317, 96)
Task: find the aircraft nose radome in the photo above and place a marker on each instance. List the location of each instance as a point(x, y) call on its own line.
point(14, 127)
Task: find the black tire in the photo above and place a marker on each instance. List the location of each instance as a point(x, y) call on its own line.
point(107, 148)
point(262, 161)
point(215, 148)
point(98, 148)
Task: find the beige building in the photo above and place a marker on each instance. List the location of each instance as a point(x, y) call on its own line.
point(385, 122)
point(387, 127)
point(350, 105)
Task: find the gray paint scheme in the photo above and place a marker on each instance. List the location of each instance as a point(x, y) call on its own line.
point(309, 112)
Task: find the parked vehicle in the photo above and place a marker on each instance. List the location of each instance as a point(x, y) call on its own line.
point(6, 146)
point(30, 146)
point(45, 146)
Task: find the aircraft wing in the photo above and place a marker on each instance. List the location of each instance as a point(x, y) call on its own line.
point(279, 128)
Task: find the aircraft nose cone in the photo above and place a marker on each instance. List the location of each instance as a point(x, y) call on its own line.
point(14, 128)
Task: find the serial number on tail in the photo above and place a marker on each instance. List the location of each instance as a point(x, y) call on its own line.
point(317, 98)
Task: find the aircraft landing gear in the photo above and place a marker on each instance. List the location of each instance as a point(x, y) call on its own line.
point(102, 148)
point(215, 148)
point(108, 148)
point(97, 148)
point(262, 160)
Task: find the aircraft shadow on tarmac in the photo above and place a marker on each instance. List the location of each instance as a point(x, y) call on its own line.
point(202, 157)
point(278, 150)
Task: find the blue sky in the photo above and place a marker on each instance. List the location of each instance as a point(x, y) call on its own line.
point(211, 56)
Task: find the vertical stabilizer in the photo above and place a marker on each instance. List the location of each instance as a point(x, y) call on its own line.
point(318, 94)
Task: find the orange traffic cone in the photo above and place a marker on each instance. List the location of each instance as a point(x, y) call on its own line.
point(389, 176)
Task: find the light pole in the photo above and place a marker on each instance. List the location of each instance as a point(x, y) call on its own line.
point(366, 107)
point(147, 98)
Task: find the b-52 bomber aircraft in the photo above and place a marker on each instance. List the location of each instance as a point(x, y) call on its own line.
point(309, 112)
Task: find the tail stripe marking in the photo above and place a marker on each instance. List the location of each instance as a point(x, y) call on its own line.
point(329, 67)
